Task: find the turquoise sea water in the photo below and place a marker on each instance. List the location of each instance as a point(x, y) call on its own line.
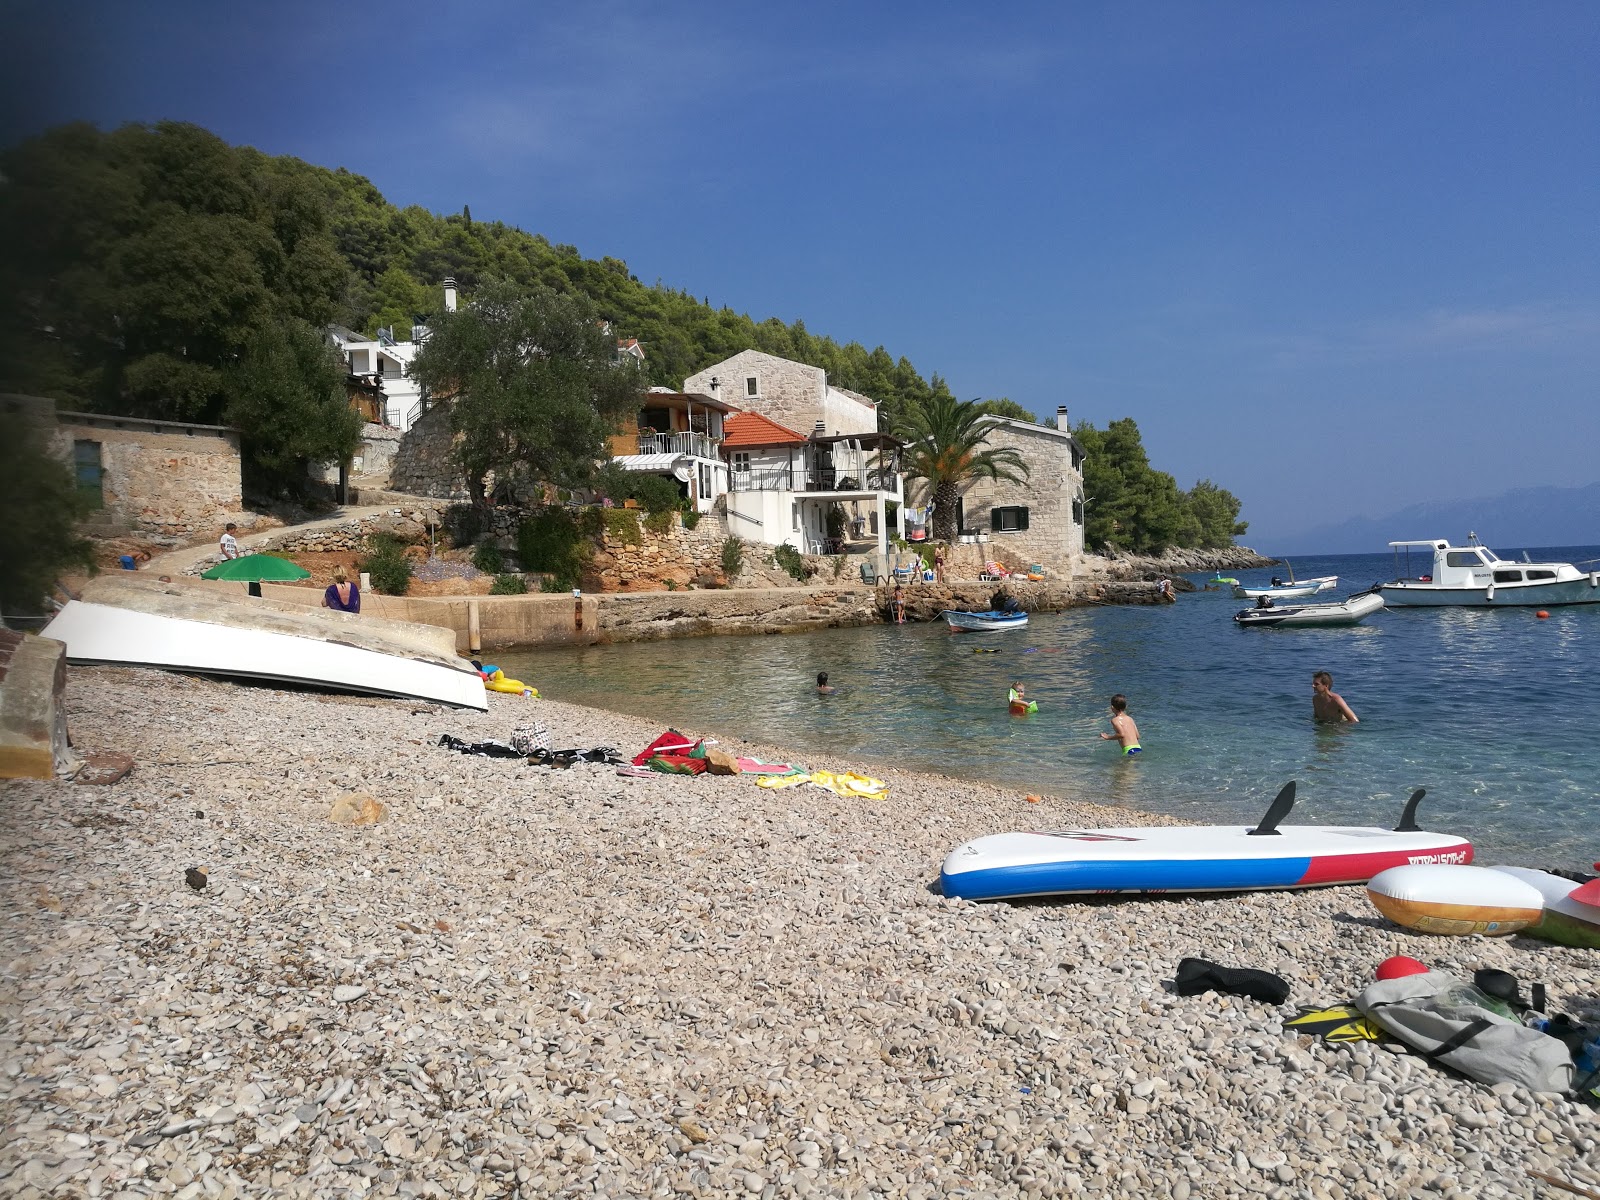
point(1496, 713)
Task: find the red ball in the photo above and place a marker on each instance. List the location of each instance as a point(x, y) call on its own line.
point(1394, 968)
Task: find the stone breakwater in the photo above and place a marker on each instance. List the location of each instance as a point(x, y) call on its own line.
point(526, 982)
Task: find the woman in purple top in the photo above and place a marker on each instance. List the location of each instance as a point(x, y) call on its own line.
point(342, 595)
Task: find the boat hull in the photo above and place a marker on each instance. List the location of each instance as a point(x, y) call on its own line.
point(1293, 616)
point(98, 633)
point(1206, 858)
point(982, 622)
point(1407, 593)
point(1288, 591)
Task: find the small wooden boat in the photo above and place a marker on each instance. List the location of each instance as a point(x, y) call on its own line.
point(1290, 589)
point(974, 622)
point(1352, 611)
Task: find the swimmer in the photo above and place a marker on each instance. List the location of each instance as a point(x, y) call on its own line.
point(1123, 728)
point(824, 688)
point(1327, 705)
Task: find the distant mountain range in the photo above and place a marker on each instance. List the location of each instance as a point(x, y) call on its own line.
point(1538, 516)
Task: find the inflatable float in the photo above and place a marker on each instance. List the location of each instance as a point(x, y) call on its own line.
point(1204, 858)
point(498, 682)
point(1566, 919)
point(1459, 900)
point(1021, 708)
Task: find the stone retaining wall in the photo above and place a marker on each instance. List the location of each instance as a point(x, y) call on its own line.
point(425, 464)
point(683, 556)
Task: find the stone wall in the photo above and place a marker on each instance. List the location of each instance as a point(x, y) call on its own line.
point(409, 524)
point(162, 477)
point(424, 463)
point(790, 393)
point(684, 556)
point(1053, 538)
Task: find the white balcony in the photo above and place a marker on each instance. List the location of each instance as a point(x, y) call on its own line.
point(697, 445)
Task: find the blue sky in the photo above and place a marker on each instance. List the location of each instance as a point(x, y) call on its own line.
point(1339, 258)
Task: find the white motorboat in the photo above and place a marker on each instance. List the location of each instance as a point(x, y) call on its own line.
point(99, 633)
point(972, 622)
point(1474, 575)
point(1293, 590)
point(1351, 611)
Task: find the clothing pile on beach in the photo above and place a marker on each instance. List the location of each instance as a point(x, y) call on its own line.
point(675, 753)
point(538, 755)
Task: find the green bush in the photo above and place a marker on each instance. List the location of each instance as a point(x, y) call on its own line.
point(42, 503)
point(549, 540)
point(551, 584)
point(659, 522)
point(622, 525)
point(732, 556)
point(388, 565)
point(508, 585)
point(787, 557)
point(655, 493)
point(488, 558)
point(834, 520)
point(690, 518)
point(463, 524)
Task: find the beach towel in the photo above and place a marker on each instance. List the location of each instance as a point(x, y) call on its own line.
point(676, 764)
point(754, 766)
point(671, 742)
point(777, 782)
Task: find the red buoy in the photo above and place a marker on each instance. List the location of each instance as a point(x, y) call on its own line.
point(1400, 964)
point(1542, 615)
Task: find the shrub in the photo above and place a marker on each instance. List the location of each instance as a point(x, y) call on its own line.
point(622, 525)
point(787, 557)
point(508, 585)
point(834, 520)
point(690, 519)
point(488, 559)
point(463, 524)
point(550, 541)
point(388, 565)
point(551, 584)
point(732, 556)
point(672, 585)
point(659, 522)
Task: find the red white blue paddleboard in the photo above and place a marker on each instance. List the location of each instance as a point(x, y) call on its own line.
point(1204, 858)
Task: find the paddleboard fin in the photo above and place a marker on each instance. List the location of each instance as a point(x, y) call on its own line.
point(1408, 819)
point(1278, 810)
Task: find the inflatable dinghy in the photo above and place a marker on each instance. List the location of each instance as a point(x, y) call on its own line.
point(1204, 858)
point(1566, 918)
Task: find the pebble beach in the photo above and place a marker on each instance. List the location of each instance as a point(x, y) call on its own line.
point(526, 981)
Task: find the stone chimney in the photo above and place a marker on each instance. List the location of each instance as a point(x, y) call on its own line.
point(449, 294)
point(1061, 419)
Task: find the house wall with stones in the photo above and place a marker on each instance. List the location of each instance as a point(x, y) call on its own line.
point(424, 463)
point(791, 393)
point(169, 478)
point(684, 556)
point(1052, 495)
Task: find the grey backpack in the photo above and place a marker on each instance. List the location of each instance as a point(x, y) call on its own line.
point(1434, 1014)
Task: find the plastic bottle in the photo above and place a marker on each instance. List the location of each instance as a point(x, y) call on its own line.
point(1586, 1075)
point(1465, 997)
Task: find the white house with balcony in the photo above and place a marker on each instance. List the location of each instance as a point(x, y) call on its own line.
point(679, 436)
point(382, 361)
point(782, 485)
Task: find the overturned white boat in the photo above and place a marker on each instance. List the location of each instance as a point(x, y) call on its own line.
point(1351, 611)
point(1474, 575)
point(187, 629)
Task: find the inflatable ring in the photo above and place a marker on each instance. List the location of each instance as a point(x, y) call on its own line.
point(1458, 900)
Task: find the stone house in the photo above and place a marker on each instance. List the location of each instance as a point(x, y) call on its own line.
point(171, 478)
point(790, 393)
point(677, 435)
point(1038, 521)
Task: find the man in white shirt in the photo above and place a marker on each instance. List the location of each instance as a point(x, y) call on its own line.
point(228, 544)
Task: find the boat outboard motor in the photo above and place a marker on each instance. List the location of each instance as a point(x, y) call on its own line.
point(1276, 582)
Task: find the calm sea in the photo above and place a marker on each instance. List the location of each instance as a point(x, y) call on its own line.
point(1496, 713)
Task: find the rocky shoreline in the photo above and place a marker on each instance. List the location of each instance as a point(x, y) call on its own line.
point(530, 982)
point(1177, 562)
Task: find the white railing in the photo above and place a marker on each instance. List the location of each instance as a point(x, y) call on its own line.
point(696, 444)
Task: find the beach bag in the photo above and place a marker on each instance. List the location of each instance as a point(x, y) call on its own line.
point(1428, 1013)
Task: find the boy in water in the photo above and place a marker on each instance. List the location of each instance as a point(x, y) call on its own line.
point(1327, 705)
point(823, 687)
point(1122, 727)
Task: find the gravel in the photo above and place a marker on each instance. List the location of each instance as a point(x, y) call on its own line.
point(531, 982)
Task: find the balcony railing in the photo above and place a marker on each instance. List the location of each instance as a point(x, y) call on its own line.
point(797, 480)
point(698, 445)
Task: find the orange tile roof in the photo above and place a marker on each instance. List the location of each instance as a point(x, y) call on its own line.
point(753, 429)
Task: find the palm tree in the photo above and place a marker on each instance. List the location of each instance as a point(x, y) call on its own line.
point(945, 445)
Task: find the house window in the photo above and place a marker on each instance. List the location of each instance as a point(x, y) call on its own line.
point(1011, 519)
point(86, 466)
point(741, 461)
point(1077, 512)
point(752, 386)
point(794, 510)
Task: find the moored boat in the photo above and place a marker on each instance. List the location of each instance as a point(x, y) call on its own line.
point(1295, 589)
point(1351, 611)
point(1475, 576)
point(973, 622)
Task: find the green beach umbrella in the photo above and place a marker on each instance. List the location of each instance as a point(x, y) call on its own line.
point(255, 568)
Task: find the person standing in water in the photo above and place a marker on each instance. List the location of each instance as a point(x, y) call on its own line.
point(824, 688)
point(1123, 728)
point(1327, 705)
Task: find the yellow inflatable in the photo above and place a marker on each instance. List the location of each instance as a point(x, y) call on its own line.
point(844, 783)
point(499, 683)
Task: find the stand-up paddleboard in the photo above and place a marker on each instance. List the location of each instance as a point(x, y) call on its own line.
point(1203, 858)
point(1566, 919)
